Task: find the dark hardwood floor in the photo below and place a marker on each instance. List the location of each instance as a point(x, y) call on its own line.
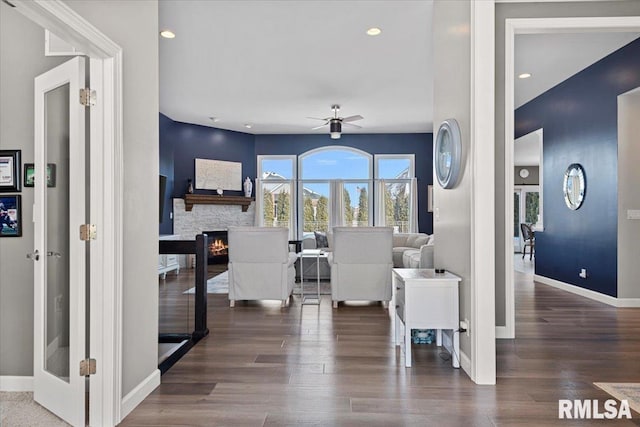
point(312, 365)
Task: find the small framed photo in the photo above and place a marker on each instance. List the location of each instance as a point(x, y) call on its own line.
point(10, 216)
point(10, 170)
point(429, 198)
point(30, 174)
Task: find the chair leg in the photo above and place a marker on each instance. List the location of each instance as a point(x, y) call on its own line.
point(530, 253)
point(335, 304)
point(524, 252)
point(232, 303)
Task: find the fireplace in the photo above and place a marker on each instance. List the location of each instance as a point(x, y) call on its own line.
point(218, 247)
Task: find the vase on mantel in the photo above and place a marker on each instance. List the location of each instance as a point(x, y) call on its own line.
point(248, 186)
point(190, 187)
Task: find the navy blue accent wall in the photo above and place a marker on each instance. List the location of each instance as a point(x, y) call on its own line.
point(579, 121)
point(166, 169)
point(420, 144)
point(194, 141)
point(181, 143)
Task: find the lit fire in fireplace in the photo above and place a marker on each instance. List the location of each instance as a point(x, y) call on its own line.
point(218, 247)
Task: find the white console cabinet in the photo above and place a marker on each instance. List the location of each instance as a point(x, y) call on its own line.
point(168, 262)
point(426, 300)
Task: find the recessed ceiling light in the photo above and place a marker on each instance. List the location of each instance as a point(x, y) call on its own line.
point(374, 31)
point(248, 126)
point(214, 119)
point(524, 75)
point(168, 34)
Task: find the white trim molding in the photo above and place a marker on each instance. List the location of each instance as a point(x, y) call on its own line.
point(536, 26)
point(502, 333)
point(483, 300)
point(107, 193)
point(16, 383)
point(139, 393)
point(587, 293)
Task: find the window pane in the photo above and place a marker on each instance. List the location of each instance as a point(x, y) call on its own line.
point(277, 168)
point(335, 164)
point(394, 169)
point(516, 214)
point(276, 204)
point(315, 205)
point(532, 207)
point(356, 204)
point(396, 206)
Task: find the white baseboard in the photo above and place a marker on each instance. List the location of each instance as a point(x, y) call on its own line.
point(139, 393)
point(587, 293)
point(503, 333)
point(465, 363)
point(14, 383)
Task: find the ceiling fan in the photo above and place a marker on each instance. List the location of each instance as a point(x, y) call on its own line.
point(335, 123)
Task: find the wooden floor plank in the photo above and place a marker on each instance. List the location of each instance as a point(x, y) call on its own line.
point(263, 365)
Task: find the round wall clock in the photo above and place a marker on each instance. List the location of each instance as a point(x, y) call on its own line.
point(524, 173)
point(447, 154)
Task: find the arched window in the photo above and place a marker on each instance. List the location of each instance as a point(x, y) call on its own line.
point(336, 186)
point(335, 189)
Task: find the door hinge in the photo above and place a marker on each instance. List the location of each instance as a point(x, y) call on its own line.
point(88, 232)
point(87, 97)
point(87, 367)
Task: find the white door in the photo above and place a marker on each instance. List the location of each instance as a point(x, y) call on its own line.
point(60, 272)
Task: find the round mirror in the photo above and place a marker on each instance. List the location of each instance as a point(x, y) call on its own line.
point(447, 154)
point(574, 186)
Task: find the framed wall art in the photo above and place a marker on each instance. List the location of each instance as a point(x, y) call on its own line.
point(9, 170)
point(10, 216)
point(30, 174)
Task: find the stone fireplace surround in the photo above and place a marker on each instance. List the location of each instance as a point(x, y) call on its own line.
point(208, 217)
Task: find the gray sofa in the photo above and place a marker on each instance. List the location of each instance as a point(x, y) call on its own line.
point(412, 250)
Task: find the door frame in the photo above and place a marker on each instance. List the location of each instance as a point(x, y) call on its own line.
point(513, 27)
point(106, 187)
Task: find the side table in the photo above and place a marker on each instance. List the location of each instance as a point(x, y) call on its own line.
point(311, 253)
point(426, 300)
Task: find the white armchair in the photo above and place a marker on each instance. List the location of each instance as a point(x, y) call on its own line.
point(361, 264)
point(260, 265)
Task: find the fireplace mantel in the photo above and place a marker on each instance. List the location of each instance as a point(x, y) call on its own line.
point(206, 199)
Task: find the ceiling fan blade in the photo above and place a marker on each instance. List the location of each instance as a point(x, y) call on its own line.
point(317, 118)
point(321, 126)
point(352, 125)
point(352, 118)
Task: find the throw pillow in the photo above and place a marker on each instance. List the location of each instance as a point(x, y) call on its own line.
point(321, 240)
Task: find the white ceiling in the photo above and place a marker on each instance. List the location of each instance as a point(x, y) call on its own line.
point(272, 64)
point(526, 150)
point(553, 58)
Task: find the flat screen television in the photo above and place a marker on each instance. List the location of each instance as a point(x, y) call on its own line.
point(163, 190)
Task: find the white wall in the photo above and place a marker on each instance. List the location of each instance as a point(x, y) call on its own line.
point(628, 194)
point(133, 25)
point(452, 99)
point(21, 60)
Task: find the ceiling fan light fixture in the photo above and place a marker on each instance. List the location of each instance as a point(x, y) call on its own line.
point(335, 127)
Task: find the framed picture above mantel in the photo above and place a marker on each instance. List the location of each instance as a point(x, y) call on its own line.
point(218, 175)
